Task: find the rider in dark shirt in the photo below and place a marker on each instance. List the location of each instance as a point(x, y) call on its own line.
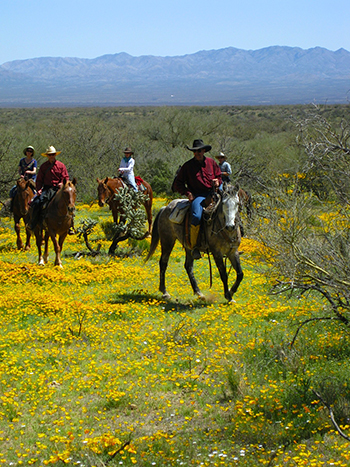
point(196, 179)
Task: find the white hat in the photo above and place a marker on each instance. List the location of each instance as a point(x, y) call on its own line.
point(221, 154)
point(50, 151)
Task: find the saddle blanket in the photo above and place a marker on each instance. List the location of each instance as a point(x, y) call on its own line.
point(178, 213)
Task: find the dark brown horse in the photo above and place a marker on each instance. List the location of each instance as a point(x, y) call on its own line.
point(58, 219)
point(109, 186)
point(20, 209)
point(245, 199)
point(221, 237)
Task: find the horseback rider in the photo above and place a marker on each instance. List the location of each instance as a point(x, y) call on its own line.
point(196, 179)
point(126, 168)
point(51, 176)
point(225, 167)
point(26, 169)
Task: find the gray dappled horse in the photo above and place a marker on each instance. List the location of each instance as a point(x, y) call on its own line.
point(220, 236)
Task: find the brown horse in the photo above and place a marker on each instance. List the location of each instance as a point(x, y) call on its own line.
point(245, 199)
point(109, 186)
point(58, 219)
point(24, 193)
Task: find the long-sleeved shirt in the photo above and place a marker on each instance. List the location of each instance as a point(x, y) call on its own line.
point(225, 167)
point(196, 177)
point(51, 175)
point(126, 170)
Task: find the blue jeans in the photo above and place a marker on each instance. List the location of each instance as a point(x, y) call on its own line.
point(197, 207)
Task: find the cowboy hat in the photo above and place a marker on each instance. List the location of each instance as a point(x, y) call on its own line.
point(28, 147)
point(50, 151)
point(221, 154)
point(128, 151)
point(198, 144)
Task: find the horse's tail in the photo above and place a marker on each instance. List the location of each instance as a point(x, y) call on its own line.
point(155, 236)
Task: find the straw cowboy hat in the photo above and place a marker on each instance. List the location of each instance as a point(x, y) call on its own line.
point(51, 151)
point(198, 144)
point(221, 154)
point(28, 147)
point(128, 151)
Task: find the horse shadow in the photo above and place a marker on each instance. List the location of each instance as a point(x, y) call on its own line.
point(167, 306)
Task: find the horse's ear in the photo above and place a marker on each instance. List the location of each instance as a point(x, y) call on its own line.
point(98, 180)
point(236, 187)
point(74, 181)
point(106, 180)
point(224, 186)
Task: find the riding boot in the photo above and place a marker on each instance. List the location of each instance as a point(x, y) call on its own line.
point(193, 239)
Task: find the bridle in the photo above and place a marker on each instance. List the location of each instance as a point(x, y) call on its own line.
point(219, 227)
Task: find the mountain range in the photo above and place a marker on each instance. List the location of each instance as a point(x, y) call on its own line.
point(229, 76)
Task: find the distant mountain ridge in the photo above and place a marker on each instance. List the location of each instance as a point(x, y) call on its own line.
point(229, 76)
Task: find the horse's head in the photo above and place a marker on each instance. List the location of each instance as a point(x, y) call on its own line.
point(102, 191)
point(69, 194)
point(24, 194)
point(230, 206)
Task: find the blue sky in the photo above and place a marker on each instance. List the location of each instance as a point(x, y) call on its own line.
point(89, 29)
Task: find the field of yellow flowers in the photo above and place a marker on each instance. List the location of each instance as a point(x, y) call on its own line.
point(96, 369)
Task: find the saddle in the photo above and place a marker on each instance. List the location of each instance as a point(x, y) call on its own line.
point(140, 183)
point(181, 214)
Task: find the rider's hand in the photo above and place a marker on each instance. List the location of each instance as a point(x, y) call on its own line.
point(190, 197)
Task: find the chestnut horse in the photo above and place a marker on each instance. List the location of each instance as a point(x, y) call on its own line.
point(58, 219)
point(20, 209)
point(109, 186)
point(245, 199)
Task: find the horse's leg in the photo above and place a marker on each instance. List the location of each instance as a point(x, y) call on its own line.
point(223, 273)
point(46, 250)
point(57, 249)
point(163, 264)
point(18, 233)
point(236, 263)
point(28, 234)
point(39, 241)
point(189, 269)
point(61, 239)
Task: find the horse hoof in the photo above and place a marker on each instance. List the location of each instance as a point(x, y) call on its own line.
point(166, 296)
point(231, 302)
point(201, 297)
point(41, 263)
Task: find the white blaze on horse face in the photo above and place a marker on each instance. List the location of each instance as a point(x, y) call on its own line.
point(230, 207)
